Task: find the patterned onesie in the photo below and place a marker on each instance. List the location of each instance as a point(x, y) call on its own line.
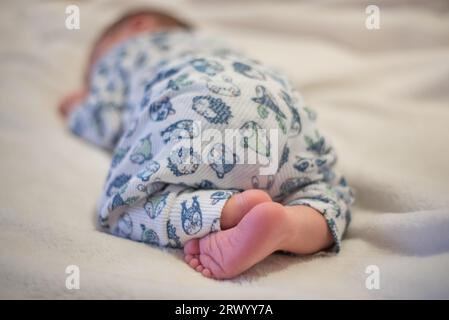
point(154, 96)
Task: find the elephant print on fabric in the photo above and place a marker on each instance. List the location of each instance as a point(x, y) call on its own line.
point(191, 217)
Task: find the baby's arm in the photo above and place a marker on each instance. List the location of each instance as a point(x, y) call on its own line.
point(94, 112)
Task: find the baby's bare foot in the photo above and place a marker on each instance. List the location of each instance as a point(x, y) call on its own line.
point(226, 254)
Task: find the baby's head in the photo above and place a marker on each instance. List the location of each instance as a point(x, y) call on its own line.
point(131, 24)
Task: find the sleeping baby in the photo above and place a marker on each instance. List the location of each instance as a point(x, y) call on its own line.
point(213, 151)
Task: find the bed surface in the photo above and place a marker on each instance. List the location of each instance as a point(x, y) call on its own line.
point(381, 95)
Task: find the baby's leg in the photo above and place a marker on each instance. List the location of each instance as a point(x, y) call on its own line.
point(268, 227)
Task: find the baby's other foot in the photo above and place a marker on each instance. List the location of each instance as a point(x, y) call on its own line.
point(240, 204)
point(226, 254)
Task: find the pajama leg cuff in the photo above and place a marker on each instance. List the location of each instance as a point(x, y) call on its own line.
point(194, 214)
point(336, 220)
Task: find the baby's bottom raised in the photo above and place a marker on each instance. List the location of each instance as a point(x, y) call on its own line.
point(253, 227)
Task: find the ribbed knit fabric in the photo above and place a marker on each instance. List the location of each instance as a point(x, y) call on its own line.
point(158, 100)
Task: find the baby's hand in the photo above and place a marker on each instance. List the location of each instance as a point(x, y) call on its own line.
point(240, 204)
point(71, 101)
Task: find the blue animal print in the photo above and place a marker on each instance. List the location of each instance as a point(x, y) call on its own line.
point(217, 196)
point(155, 204)
point(319, 166)
point(265, 101)
point(213, 109)
point(295, 125)
point(149, 236)
point(223, 86)
point(311, 114)
point(255, 138)
point(304, 165)
point(284, 156)
point(124, 226)
point(148, 171)
point(256, 182)
point(117, 201)
point(205, 185)
point(183, 161)
point(142, 152)
point(173, 238)
point(221, 159)
point(293, 184)
point(248, 71)
point(119, 154)
point(215, 226)
point(162, 75)
point(179, 82)
point(316, 144)
point(209, 67)
point(182, 129)
point(117, 183)
point(191, 217)
point(160, 110)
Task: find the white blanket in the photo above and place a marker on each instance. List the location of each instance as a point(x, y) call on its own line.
point(382, 95)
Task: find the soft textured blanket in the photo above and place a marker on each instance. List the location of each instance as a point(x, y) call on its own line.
point(382, 95)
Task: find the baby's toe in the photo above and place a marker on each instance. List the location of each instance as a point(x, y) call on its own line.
point(194, 262)
point(206, 272)
point(199, 268)
point(188, 258)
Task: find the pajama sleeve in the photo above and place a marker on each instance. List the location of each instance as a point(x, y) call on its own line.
point(98, 119)
point(170, 217)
